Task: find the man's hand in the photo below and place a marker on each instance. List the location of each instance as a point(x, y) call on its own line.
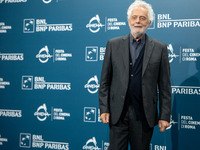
point(105, 117)
point(163, 125)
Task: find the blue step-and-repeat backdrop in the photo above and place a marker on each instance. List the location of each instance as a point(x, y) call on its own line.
point(51, 54)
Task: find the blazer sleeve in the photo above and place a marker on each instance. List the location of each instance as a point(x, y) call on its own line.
point(105, 83)
point(164, 85)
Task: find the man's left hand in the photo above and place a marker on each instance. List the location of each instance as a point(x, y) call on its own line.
point(163, 125)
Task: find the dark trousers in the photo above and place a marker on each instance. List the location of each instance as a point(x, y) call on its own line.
point(129, 129)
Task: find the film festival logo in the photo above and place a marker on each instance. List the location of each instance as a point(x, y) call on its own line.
point(3, 83)
point(172, 122)
point(44, 55)
point(3, 140)
point(42, 113)
point(58, 55)
point(92, 85)
point(171, 53)
point(111, 24)
point(95, 24)
point(37, 141)
point(186, 54)
point(56, 113)
point(41, 25)
point(188, 122)
point(47, 1)
point(189, 55)
point(4, 27)
point(91, 144)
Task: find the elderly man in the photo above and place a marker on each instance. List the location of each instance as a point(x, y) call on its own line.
point(134, 67)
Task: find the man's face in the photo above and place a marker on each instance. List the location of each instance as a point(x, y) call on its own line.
point(139, 21)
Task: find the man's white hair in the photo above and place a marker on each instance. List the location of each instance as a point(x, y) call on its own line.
point(142, 4)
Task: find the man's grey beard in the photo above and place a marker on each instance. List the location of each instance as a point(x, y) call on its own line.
point(138, 34)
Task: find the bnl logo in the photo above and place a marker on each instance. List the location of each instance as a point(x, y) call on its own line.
point(29, 25)
point(91, 53)
point(152, 26)
point(25, 140)
point(27, 82)
point(159, 147)
point(90, 114)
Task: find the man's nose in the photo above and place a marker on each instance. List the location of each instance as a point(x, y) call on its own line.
point(138, 20)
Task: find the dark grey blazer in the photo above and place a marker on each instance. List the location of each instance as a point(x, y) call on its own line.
point(155, 74)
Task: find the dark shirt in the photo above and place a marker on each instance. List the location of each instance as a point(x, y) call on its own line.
point(136, 47)
point(134, 94)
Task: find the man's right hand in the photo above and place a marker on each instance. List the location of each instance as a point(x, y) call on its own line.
point(105, 117)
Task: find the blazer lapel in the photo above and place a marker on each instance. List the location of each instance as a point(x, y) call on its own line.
point(125, 52)
point(147, 53)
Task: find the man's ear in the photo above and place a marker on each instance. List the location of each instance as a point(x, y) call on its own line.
point(128, 22)
point(149, 24)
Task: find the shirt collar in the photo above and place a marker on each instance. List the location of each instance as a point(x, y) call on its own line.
point(142, 40)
